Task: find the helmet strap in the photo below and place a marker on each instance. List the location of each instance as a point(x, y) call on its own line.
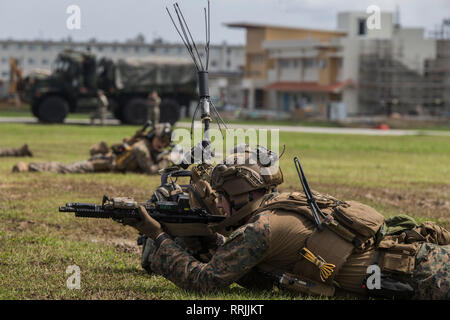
point(240, 214)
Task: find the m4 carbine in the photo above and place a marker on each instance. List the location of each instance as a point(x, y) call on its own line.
point(175, 216)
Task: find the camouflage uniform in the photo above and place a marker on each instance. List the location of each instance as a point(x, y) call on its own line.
point(270, 240)
point(134, 155)
point(432, 273)
point(153, 107)
point(252, 245)
point(23, 151)
point(102, 108)
point(140, 158)
point(200, 195)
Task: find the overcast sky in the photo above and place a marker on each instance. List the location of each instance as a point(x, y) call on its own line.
point(110, 20)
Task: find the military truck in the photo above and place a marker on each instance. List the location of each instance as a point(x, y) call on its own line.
point(77, 77)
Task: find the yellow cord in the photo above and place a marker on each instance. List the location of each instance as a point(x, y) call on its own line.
point(326, 269)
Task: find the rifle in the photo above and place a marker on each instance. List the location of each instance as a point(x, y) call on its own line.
point(175, 216)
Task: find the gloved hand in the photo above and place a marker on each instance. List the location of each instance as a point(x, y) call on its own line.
point(147, 225)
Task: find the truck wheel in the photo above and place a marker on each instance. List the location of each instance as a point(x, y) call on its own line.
point(114, 107)
point(135, 111)
point(169, 111)
point(53, 109)
point(35, 108)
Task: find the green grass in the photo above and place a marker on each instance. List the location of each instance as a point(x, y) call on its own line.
point(409, 174)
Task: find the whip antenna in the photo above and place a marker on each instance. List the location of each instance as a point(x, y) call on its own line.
point(205, 104)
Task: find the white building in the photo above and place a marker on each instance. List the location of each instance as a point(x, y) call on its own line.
point(356, 69)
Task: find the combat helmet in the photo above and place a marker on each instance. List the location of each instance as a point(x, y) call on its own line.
point(244, 171)
point(163, 131)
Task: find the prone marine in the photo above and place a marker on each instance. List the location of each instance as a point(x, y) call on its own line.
point(269, 235)
point(143, 153)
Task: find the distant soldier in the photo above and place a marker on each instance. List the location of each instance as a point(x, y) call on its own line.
point(146, 155)
point(23, 151)
point(102, 108)
point(153, 107)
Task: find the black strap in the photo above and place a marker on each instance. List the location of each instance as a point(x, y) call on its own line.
point(160, 239)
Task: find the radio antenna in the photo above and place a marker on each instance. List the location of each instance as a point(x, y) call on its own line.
point(205, 104)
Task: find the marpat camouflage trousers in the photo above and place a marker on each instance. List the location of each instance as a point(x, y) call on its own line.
point(432, 272)
point(97, 163)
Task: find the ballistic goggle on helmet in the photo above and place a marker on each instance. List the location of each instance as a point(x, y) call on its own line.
point(246, 171)
point(163, 131)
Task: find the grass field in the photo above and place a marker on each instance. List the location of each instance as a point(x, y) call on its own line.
point(409, 174)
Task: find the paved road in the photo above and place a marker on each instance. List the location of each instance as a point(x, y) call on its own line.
point(360, 131)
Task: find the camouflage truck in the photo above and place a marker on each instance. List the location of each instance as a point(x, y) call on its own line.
point(77, 76)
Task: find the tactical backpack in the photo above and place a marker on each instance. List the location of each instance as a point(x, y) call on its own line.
point(349, 226)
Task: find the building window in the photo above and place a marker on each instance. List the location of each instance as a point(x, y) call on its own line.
point(285, 64)
point(30, 61)
point(44, 61)
point(362, 27)
point(308, 63)
point(5, 46)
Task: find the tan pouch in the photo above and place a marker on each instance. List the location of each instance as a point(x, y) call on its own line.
point(330, 247)
point(359, 218)
point(397, 257)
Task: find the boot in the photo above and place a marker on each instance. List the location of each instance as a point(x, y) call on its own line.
point(20, 167)
point(25, 151)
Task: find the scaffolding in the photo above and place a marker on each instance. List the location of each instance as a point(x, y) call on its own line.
point(388, 85)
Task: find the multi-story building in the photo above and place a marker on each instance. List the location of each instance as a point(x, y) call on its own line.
point(226, 61)
point(268, 50)
point(356, 69)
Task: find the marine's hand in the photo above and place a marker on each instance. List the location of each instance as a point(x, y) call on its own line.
point(147, 225)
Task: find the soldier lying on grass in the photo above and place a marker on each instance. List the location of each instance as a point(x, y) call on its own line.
point(144, 153)
point(276, 234)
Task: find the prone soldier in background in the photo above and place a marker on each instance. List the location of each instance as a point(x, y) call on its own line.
point(23, 151)
point(144, 153)
point(276, 240)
